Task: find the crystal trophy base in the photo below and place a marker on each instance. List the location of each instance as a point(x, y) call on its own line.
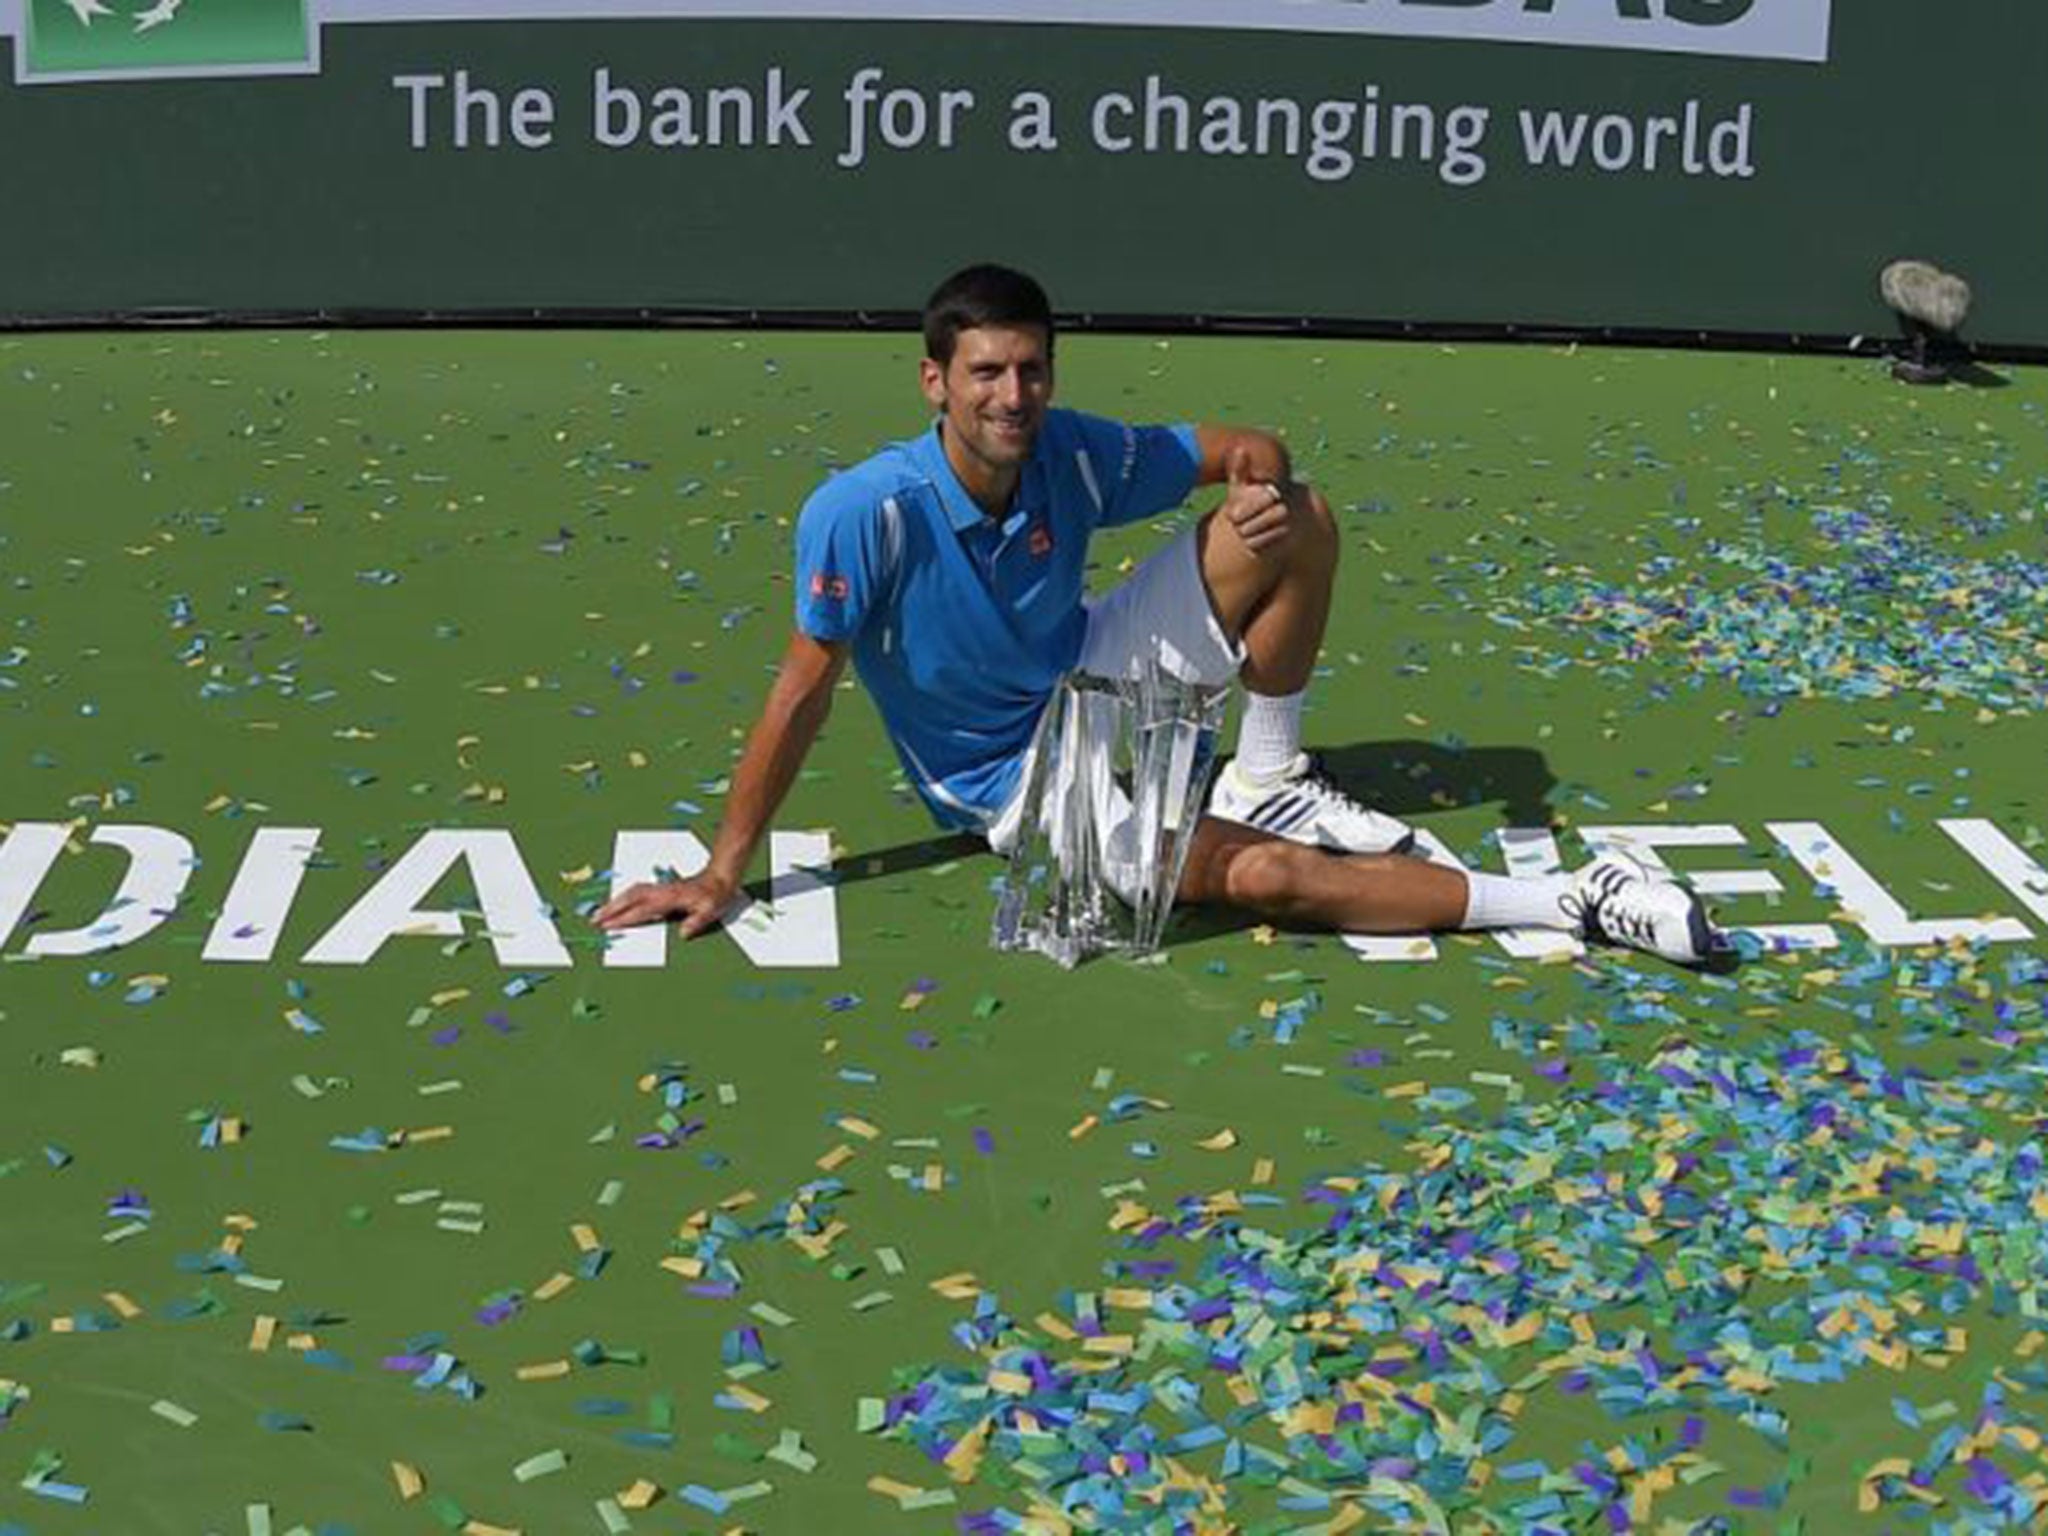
point(1118, 779)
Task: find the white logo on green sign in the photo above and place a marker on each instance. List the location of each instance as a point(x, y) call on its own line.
point(127, 39)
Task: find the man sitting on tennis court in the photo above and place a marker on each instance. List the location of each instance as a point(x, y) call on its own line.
point(949, 569)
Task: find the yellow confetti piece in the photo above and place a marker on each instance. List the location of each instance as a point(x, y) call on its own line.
point(640, 1496)
point(410, 1484)
point(835, 1157)
point(585, 1237)
point(553, 1286)
point(957, 1287)
point(427, 1133)
point(1262, 1171)
point(934, 1178)
point(543, 1370)
point(752, 1401)
point(578, 875)
point(855, 1126)
point(1130, 1300)
point(889, 1488)
point(262, 1332)
point(964, 1460)
point(1222, 1141)
point(1405, 1090)
point(484, 1528)
point(122, 1304)
point(449, 995)
point(744, 1198)
point(689, 1269)
point(1082, 1127)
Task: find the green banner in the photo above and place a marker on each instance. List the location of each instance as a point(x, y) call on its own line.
point(1737, 166)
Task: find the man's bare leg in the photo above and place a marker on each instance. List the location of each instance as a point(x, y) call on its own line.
point(1298, 886)
point(1613, 899)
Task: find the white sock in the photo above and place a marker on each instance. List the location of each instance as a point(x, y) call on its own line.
point(1269, 734)
point(1503, 901)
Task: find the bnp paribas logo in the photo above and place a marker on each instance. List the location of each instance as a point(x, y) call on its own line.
point(131, 39)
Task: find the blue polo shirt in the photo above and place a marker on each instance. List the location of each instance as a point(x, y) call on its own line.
point(960, 626)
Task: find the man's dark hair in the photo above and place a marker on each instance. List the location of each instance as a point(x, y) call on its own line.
point(982, 295)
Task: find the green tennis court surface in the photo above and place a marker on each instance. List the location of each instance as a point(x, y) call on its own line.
point(309, 1222)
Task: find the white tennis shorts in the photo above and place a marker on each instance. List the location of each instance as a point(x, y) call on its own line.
point(1160, 611)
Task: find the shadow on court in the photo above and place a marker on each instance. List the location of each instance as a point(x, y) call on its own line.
point(1413, 778)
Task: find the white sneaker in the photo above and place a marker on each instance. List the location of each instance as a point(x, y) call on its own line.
point(1617, 901)
point(1304, 807)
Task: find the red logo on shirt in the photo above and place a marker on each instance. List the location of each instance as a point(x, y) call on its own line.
point(1041, 540)
point(835, 587)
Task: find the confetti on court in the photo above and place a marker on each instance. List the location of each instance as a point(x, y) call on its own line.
point(1257, 1235)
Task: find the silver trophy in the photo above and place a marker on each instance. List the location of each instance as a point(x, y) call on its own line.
point(1119, 774)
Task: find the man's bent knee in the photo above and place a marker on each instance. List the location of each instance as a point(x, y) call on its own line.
point(1316, 542)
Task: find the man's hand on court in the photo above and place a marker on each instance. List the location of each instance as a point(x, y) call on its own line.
point(699, 902)
point(1261, 512)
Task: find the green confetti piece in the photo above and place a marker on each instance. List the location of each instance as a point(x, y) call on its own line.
point(734, 1448)
point(544, 1464)
point(930, 1498)
point(603, 1134)
point(259, 1282)
point(609, 1195)
point(1103, 1077)
point(661, 1411)
point(789, 1450)
point(728, 1095)
point(446, 1085)
point(126, 1230)
point(986, 1005)
point(746, 1491)
point(444, 1509)
point(869, 1415)
point(183, 1417)
point(286, 1423)
point(872, 1300)
point(418, 1016)
point(774, 1316)
point(451, 1224)
point(892, 1261)
point(416, 1196)
point(258, 1516)
point(613, 1518)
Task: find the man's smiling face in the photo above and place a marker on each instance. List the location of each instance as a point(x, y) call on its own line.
point(992, 396)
